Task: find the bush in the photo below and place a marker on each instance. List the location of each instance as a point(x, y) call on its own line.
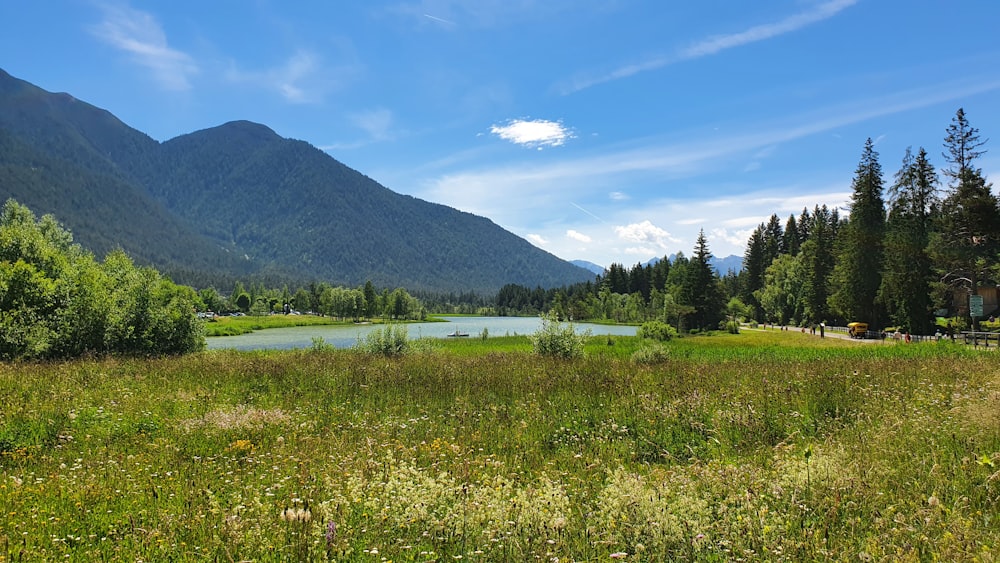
point(558, 339)
point(651, 354)
point(389, 340)
point(657, 330)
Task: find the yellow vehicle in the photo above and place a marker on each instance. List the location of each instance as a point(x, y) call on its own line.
point(857, 330)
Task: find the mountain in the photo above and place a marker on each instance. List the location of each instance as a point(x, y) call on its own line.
point(238, 201)
point(596, 269)
point(722, 265)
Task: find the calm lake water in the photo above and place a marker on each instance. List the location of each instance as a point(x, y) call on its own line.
point(346, 336)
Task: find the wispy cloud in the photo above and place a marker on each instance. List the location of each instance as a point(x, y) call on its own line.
point(376, 123)
point(298, 80)
point(718, 43)
point(578, 236)
point(140, 35)
point(536, 239)
point(442, 21)
point(536, 133)
point(757, 33)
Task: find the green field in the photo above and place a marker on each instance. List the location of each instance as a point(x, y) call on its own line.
point(760, 446)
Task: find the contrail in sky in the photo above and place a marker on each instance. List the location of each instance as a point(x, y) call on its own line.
point(587, 212)
point(437, 19)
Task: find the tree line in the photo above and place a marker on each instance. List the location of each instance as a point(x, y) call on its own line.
point(905, 254)
point(908, 252)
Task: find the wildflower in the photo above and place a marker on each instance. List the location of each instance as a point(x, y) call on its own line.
point(933, 501)
point(619, 555)
point(296, 515)
point(331, 532)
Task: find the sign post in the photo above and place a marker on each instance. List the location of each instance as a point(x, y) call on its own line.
point(976, 306)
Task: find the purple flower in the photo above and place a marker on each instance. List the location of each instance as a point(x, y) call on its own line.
point(331, 532)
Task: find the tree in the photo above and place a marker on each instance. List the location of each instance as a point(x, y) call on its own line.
point(857, 273)
point(774, 239)
point(753, 271)
point(968, 238)
point(701, 289)
point(211, 299)
point(302, 301)
point(783, 294)
point(817, 263)
point(907, 270)
point(792, 242)
point(56, 301)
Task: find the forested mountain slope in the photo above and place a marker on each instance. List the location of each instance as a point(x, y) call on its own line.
point(239, 200)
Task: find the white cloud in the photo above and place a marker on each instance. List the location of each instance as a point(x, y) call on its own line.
point(718, 43)
point(534, 133)
point(139, 34)
point(618, 196)
point(537, 239)
point(576, 235)
point(296, 80)
point(645, 232)
point(733, 238)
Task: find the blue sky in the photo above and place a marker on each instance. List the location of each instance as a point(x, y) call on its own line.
point(603, 130)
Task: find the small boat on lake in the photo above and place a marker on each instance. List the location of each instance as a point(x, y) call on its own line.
point(457, 334)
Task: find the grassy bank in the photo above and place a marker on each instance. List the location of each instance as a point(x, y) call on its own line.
point(758, 446)
point(232, 326)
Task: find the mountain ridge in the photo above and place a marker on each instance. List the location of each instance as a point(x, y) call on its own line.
point(238, 200)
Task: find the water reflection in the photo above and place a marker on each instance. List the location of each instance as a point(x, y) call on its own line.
point(345, 336)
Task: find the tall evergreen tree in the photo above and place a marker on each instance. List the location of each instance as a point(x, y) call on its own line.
point(774, 240)
point(817, 263)
point(701, 288)
point(857, 273)
point(792, 242)
point(805, 224)
point(754, 267)
point(968, 238)
point(907, 274)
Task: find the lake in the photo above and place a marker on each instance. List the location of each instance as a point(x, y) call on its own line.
point(341, 336)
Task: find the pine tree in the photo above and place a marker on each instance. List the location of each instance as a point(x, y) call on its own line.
point(792, 242)
point(774, 241)
point(968, 238)
point(817, 261)
point(701, 288)
point(906, 273)
point(753, 271)
point(857, 274)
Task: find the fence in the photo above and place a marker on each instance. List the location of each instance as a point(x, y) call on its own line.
point(978, 338)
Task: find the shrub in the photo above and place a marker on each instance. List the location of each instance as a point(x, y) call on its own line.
point(657, 330)
point(389, 340)
point(558, 339)
point(651, 354)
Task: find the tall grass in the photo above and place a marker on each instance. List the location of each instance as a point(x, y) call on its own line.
point(732, 447)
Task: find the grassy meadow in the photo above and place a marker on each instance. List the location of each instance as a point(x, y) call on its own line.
point(760, 446)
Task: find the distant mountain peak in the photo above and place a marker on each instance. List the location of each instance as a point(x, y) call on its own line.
point(595, 268)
